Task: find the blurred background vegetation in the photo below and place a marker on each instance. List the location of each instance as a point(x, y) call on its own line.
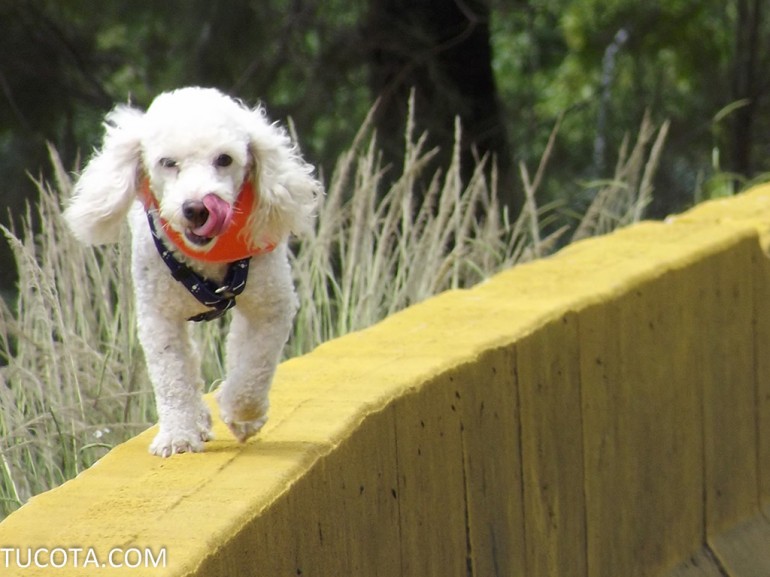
point(508, 68)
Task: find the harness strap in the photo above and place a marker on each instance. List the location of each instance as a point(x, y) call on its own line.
point(218, 298)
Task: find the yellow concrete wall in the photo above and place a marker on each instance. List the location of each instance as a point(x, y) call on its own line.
point(604, 412)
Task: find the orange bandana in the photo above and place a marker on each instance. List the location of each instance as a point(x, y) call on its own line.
point(229, 246)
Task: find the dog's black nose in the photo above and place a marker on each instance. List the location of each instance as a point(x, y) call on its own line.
point(195, 212)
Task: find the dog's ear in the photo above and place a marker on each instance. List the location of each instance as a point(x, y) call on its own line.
point(107, 186)
point(287, 191)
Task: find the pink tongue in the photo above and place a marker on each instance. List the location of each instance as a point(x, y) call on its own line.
point(220, 217)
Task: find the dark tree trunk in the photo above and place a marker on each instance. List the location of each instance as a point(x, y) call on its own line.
point(441, 49)
point(745, 84)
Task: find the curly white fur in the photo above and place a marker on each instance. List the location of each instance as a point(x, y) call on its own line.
point(177, 144)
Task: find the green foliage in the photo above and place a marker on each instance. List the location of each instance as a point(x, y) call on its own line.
point(679, 61)
point(63, 66)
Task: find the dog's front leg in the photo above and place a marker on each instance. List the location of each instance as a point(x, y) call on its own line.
point(258, 332)
point(174, 368)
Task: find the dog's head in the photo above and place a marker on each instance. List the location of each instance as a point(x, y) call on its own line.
point(197, 148)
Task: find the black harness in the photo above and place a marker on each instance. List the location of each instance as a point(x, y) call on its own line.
point(219, 298)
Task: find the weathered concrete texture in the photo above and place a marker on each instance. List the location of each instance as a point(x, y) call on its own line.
point(604, 412)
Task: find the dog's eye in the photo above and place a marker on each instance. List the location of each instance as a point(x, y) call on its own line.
point(223, 160)
point(167, 162)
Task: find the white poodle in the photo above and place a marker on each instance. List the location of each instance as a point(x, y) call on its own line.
point(212, 191)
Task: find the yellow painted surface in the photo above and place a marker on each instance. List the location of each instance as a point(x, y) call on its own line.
point(548, 371)
point(603, 412)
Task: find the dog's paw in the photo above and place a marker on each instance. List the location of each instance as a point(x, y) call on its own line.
point(242, 430)
point(168, 443)
point(244, 417)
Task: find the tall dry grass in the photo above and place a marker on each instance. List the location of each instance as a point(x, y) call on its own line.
point(72, 377)
point(73, 383)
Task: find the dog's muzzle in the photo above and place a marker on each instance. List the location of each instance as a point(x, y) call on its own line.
point(208, 218)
